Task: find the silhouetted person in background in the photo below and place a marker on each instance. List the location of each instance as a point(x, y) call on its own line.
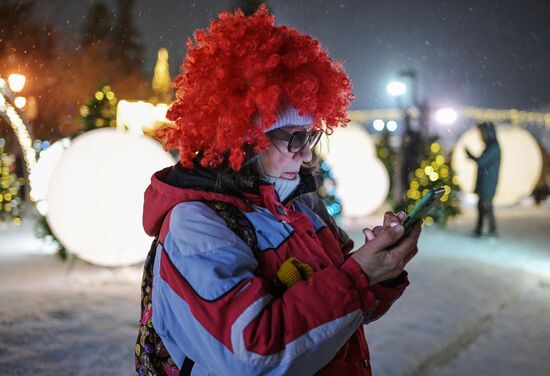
point(488, 165)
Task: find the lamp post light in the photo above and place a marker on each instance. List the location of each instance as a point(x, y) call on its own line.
point(396, 88)
point(16, 82)
point(391, 125)
point(411, 139)
point(378, 124)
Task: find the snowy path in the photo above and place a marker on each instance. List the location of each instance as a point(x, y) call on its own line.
point(474, 307)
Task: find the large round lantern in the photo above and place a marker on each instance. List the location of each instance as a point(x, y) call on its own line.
point(95, 195)
point(362, 180)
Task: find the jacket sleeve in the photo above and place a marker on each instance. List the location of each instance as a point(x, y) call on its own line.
point(209, 305)
point(385, 293)
point(314, 202)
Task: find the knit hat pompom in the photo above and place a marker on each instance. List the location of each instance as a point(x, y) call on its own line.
point(242, 69)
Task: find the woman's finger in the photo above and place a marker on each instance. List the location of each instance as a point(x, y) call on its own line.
point(405, 245)
point(401, 215)
point(391, 219)
point(369, 235)
point(385, 237)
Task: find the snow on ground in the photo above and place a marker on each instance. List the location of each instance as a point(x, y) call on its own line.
point(475, 306)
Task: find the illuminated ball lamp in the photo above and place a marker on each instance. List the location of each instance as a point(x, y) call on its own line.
point(520, 163)
point(95, 195)
point(43, 170)
point(362, 180)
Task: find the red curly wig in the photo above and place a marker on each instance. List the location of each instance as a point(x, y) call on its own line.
point(243, 69)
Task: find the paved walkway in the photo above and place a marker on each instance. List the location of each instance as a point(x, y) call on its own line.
point(474, 307)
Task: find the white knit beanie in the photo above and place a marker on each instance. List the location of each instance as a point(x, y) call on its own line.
point(290, 117)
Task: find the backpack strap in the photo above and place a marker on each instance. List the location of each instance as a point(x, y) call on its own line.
point(151, 356)
point(236, 221)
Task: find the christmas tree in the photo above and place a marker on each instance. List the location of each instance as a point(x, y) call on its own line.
point(327, 189)
point(433, 171)
point(100, 111)
point(162, 82)
point(10, 188)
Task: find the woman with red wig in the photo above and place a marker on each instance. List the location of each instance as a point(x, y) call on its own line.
point(248, 274)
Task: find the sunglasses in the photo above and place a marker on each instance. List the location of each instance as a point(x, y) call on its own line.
point(297, 141)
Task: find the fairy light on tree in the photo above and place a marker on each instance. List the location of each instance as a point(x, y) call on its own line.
point(10, 188)
point(100, 111)
point(433, 171)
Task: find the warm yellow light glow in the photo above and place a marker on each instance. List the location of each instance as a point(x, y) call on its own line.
point(16, 82)
point(84, 111)
point(435, 148)
point(22, 134)
point(137, 116)
point(474, 113)
point(99, 95)
point(20, 102)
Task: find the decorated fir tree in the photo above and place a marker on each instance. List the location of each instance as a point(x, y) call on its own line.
point(10, 188)
point(162, 82)
point(327, 189)
point(433, 170)
point(100, 111)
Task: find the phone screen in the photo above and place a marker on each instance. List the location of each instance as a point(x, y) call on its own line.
point(423, 207)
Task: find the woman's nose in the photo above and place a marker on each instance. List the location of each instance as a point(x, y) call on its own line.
point(305, 155)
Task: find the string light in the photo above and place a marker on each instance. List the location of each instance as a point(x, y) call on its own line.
point(478, 114)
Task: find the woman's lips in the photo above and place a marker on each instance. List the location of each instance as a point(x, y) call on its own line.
point(291, 175)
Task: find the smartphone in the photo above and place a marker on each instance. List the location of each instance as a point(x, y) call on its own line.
point(421, 209)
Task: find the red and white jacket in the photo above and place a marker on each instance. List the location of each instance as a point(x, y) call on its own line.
point(213, 300)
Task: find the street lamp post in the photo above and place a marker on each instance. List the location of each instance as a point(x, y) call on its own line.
point(411, 140)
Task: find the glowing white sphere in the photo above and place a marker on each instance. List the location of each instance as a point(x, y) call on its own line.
point(362, 180)
point(43, 170)
point(520, 164)
point(95, 195)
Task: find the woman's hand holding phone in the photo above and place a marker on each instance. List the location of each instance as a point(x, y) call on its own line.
point(385, 253)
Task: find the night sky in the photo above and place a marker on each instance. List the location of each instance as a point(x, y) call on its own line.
point(467, 53)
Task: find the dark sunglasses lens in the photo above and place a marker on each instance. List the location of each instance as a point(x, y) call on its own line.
point(298, 142)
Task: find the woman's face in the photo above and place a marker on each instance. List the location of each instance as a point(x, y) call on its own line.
point(278, 162)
